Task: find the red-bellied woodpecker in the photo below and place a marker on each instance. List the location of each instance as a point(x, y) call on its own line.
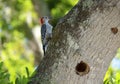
point(46, 32)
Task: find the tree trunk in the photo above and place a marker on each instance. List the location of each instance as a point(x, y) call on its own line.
point(41, 8)
point(84, 43)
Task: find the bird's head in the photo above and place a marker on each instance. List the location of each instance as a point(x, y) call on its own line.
point(44, 19)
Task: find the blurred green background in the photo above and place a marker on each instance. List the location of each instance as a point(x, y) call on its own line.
point(20, 44)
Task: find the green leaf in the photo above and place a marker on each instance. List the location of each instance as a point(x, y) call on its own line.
point(1, 64)
point(27, 71)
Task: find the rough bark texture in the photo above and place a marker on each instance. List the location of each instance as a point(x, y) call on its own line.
point(84, 34)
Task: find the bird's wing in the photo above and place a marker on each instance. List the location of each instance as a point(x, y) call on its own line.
point(43, 31)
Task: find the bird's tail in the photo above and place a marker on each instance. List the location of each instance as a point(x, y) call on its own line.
point(44, 49)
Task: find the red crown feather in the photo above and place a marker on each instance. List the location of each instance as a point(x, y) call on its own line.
point(41, 20)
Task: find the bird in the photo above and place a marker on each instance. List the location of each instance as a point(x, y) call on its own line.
point(46, 32)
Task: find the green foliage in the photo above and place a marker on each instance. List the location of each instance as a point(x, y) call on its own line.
point(22, 79)
point(5, 76)
point(113, 75)
point(15, 57)
point(14, 35)
point(59, 8)
point(109, 78)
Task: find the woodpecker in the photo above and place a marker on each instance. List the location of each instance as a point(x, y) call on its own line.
point(46, 32)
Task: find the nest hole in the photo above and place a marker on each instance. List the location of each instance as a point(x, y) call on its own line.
point(82, 68)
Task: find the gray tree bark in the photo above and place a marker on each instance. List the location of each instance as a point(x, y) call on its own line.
point(84, 43)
